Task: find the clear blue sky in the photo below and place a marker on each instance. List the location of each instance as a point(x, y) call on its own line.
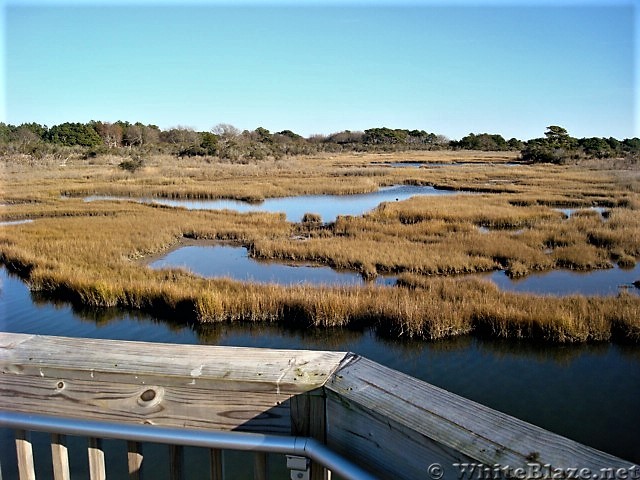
point(504, 67)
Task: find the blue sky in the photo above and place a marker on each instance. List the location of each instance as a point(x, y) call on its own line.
point(451, 68)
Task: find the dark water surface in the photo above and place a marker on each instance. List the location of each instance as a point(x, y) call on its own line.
point(588, 392)
point(327, 206)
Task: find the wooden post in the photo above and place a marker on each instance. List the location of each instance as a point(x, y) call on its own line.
point(308, 419)
point(60, 457)
point(134, 460)
point(24, 451)
point(215, 456)
point(97, 470)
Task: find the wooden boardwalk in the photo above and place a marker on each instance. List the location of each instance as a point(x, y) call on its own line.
point(386, 422)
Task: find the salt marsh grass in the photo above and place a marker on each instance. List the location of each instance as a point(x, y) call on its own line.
point(90, 252)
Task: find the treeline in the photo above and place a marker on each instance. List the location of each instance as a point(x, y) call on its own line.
point(224, 141)
point(557, 146)
point(229, 143)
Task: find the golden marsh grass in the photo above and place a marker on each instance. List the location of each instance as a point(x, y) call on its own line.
point(90, 252)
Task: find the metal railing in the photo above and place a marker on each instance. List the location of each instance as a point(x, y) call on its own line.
point(291, 446)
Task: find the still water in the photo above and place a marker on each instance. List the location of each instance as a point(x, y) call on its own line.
point(610, 281)
point(569, 212)
point(234, 262)
point(327, 206)
point(588, 393)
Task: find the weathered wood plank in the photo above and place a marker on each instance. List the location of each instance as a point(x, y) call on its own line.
point(172, 385)
point(290, 371)
point(317, 430)
point(171, 406)
point(24, 452)
point(388, 448)
point(97, 468)
point(151, 404)
point(308, 419)
point(134, 460)
point(386, 421)
point(60, 457)
point(375, 409)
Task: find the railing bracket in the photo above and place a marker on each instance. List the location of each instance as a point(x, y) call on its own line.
point(299, 467)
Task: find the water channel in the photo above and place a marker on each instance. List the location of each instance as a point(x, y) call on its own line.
point(327, 206)
point(587, 392)
point(234, 262)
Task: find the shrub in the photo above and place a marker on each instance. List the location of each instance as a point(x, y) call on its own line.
point(311, 218)
point(132, 165)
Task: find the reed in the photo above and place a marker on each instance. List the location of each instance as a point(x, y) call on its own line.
point(91, 253)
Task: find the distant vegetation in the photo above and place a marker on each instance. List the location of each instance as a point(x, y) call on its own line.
point(229, 143)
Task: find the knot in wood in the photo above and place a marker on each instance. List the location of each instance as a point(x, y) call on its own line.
point(151, 397)
point(148, 395)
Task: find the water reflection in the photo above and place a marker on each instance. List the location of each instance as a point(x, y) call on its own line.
point(327, 206)
point(234, 262)
point(579, 391)
point(567, 282)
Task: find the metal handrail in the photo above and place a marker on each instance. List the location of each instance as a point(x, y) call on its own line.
point(302, 446)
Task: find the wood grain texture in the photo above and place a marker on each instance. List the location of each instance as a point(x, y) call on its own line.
point(388, 448)
point(170, 406)
point(308, 419)
point(189, 386)
point(372, 409)
point(287, 371)
point(97, 467)
point(381, 419)
point(134, 460)
point(24, 452)
point(60, 457)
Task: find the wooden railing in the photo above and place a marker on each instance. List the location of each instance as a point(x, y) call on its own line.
point(378, 420)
